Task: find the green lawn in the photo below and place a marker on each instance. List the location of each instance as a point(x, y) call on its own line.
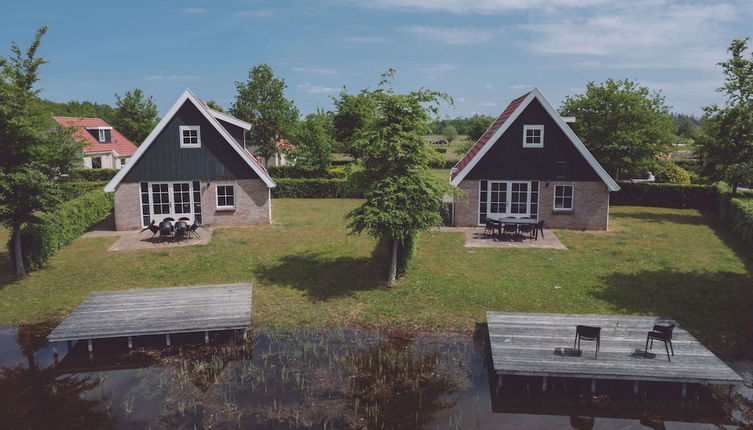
point(306, 270)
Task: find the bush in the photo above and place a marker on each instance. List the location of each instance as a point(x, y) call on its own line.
point(69, 190)
point(297, 172)
point(703, 197)
point(441, 150)
point(739, 215)
point(92, 174)
point(52, 230)
point(671, 173)
point(442, 164)
point(317, 188)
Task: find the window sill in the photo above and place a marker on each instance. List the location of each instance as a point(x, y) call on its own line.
point(225, 208)
point(190, 146)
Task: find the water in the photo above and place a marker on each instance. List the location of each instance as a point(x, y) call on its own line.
point(314, 379)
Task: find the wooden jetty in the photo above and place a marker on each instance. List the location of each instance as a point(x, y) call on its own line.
point(532, 344)
point(157, 311)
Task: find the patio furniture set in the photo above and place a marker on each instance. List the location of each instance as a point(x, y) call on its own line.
point(660, 332)
point(514, 227)
point(170, 229)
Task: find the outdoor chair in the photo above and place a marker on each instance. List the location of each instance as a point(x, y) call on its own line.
point(661, 333)
point(194, 229)
point(165, 230)
point(510, 228)
point(181, 230)
point(491, 226)
point(184, 218)
point(585, 332)
point(538, 228)
point(170, 219)
point(527, 229)
point(151, 227)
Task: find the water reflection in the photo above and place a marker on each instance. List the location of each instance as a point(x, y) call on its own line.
point(324, 379)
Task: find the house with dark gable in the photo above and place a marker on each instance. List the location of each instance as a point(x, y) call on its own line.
point(530, 164)
point(193, 164)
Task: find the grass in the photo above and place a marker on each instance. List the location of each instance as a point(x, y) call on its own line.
point(452, 153)
point(307, 271)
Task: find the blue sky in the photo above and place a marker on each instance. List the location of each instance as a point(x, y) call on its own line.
point(483, 52)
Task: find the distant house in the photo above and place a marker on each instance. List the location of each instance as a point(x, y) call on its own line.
point(281, 156)
point(193, 164)
point(530, 164)
point(104, 147)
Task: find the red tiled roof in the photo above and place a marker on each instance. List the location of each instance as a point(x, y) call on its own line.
point(119, 143)
point(488, 134)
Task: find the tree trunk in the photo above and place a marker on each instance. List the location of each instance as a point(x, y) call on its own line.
point(18, 256)
point(393, 262)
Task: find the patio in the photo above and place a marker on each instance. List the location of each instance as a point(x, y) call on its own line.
point(475, 238)
point(130, 240)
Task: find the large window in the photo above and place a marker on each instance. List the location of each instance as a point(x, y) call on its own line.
point(533, 136)
point(182, 198)
point(563, 197)
point(502, 199)
point(190, 136)
point(225, 197)
point(161, 199)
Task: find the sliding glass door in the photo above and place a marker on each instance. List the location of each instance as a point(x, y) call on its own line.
point(503, 199)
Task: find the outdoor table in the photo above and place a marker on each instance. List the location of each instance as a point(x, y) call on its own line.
point(517, 221)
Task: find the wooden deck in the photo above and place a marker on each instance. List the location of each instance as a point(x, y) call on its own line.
point(542, 345)
point(161, 311)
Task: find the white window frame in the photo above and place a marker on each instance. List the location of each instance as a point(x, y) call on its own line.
point(171, 200)
point(572, 198)
point(508, 198)
point(196, 128)
point(123, 161)
point(102, 135)
point(526, 128)
point(217, 198)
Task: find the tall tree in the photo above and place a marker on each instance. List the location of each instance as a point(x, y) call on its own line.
point(33, 150)
point(85, 109)
point(478, 127)
point(353, 112)
point(402, 198)
point(214, 105)
point(135, 115)
point(314, 142)
point(622, 123)
point(727, 137)
point(261, 101)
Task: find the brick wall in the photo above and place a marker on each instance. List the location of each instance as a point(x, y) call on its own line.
point(252, 204)
point(590, 206)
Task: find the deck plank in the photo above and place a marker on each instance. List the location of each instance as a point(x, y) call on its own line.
point(542, 345)
point(158, 311)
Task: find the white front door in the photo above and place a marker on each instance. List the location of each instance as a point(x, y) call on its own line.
point(171, 199)
point(504, 199)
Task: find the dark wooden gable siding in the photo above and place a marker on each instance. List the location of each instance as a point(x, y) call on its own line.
point(165, 160)
point(234, 131)
point(557, 160)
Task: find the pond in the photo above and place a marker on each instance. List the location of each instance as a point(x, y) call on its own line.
point(314, 378)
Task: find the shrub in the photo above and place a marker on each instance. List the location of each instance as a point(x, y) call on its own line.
point(52, 230)
point(442, 164)
point(671, 173)
point(92, 174)
point(318, 188)
point(440, 150)
point(297, 172)
point(69, 190)
point(703, 197)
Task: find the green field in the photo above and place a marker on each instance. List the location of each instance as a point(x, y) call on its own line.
point(307, 271)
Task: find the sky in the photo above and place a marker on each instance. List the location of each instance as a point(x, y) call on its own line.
point(483, 53)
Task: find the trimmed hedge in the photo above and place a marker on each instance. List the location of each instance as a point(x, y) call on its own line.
point(50, 231)
point(295, 172)
point(92, 174)
point(309, 188)
point(704, 197)
point(739, 215)
point(69, 190)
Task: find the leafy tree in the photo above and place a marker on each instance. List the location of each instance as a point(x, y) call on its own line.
point(214, 105)
point(739, 174)
point(353, 112)
point(402, 198)
point(450, 133)
point(671, 173)
point(85, 109)
point(261, 101)
point(622, 123)
point(478, 127)
point(314, 141)
point(728, 131)
point(33, 150)
point(135, 115)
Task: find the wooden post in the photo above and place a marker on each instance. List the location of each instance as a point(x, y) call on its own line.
point(206, 337)
point(593, 386)
point(130, 343)
point(543, 384)
point(635, 388)
point(91, 347)
point(684, 390)
point(167, 339)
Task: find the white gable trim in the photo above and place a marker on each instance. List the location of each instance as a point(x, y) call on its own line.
point(230, 119)
point(536, 94)
point(187, 95)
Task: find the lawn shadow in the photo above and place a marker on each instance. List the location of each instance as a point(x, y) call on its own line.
point(654, 217)
point(713, 306)
point(323, 277)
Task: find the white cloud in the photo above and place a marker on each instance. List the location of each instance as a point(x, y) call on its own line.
point(194, 11)
point(450, 35)
point(315, 70)
point(257, 13)
point(486, 104)
point(488, 86)
point(317, 89)
point(476, 6)
point(445, 67)
point(171, 78)
point(365, 39)
point(520, 86)
point(641, 34)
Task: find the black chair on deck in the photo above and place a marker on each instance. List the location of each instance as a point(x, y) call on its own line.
point(527, 229)
point(585, 332)
point(491, 226)
point(538, 228)
point(165, 230)
point(151, 227)
point(510, 228)
point(661, 333)
point(171, 219)
point(194, 228)
point(184, 218)
point(181, 230)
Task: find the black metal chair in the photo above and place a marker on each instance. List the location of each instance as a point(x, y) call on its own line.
point(171, 219)
point(491, 227)
point(151, 227)
point(510, 228)
point(181, 230)
point(539, 228)
point(527, 229)
point(166, 230)
point(194, 229)
point(585, 332)
point(661, 333)
point(184, 218)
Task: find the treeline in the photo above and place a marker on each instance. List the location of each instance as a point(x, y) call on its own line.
point(85, 109)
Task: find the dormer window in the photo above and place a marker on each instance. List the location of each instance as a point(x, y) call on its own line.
point(533, 136)
point(102, 135)
point(190, 136)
